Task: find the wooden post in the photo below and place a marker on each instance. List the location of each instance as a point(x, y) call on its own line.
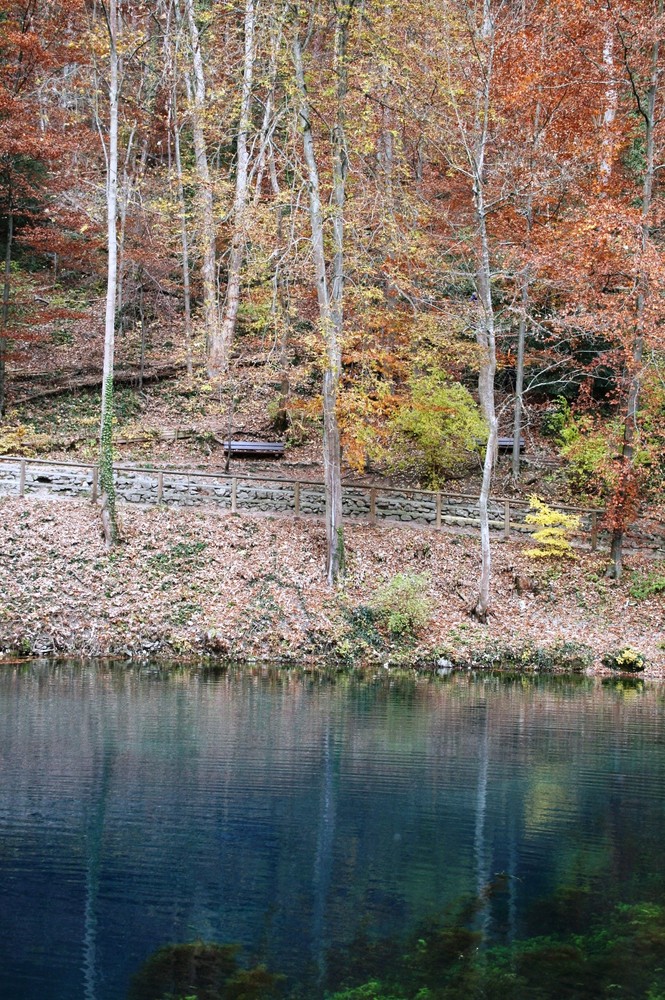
point(160, 487)
point(506, 518)
point(438, 510)
point(372, 505)
point(594, 531)
point(21, 481)
point(95, 484)
point(296, 499)
point(234, 495)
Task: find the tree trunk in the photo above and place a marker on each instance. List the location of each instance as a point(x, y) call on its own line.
point(6, 284)
point(486, 339)
point(519, 376)
point(281, 309)
point(485, 332)
point(611, 102)
point(107, 498)
point(185, 246)
point(648, 111)
point(219, 359)
point(206, 205)
point(330, 308)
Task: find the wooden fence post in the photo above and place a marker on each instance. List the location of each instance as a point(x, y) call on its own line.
point(160, 487)
point(296, 499)
point(234, 495)
point(95, 484)
point(506, 518)
point(372, 505)
point(438, 510)
point(594, 531)
point(21, 481)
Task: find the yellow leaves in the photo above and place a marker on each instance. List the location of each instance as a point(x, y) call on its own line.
point(554, 528)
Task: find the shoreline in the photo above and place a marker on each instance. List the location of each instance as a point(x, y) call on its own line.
point(203, 587)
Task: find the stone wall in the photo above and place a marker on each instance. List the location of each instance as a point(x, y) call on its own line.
point(149, 487)
point(184, 490)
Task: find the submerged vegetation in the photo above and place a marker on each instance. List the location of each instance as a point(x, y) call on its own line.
point(600, 952)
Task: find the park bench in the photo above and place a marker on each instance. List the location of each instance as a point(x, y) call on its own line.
point(262, 448)
point(506, 443)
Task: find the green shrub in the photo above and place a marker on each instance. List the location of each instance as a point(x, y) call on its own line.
point(643, 585)
point(441, 423)
point(587, 452)
point(555, 421)
point(627, 660)
point(402, 603)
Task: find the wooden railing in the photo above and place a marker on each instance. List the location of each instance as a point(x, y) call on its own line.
point(507, 505)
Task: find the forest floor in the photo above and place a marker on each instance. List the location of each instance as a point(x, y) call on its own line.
point(209, 583)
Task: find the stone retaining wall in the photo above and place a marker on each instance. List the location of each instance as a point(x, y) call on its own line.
point(183, 490)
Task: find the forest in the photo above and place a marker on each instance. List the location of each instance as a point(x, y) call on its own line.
point(387, 233)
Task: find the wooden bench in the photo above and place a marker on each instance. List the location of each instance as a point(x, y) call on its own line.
point(267, 448)
point(506, 443)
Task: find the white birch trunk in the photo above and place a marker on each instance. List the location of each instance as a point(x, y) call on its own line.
point(485, 331)
point(184, 241)
point(330, 318)
point(107, 498)
point(205, 199)
point(611, 103)
point(219, 358)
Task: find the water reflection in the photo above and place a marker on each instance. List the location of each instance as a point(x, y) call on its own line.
point(294, 815)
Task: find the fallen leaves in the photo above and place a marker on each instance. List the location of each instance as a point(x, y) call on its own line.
point(185, 583)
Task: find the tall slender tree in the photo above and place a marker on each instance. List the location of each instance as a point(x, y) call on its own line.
point(107, 498)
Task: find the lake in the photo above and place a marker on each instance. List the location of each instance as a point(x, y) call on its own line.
point(325, 824)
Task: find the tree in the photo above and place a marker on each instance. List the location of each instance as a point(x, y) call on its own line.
point(330, 293)
point(107, 498)
point(645, 95)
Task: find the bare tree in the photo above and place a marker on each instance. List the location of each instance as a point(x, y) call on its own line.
point(107, 498)
point(330, 294)
point(219, 356)
point(196, 92)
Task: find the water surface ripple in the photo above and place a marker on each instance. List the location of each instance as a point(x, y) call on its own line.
point(288, 813)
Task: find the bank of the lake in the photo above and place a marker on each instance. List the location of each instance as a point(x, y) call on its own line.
point(197, 584)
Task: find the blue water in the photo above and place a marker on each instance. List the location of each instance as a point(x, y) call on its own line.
point(289, 812)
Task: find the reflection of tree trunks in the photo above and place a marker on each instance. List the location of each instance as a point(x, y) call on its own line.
point(480, 851)
point(6, 285)
point(323, 858)
point(94, 838)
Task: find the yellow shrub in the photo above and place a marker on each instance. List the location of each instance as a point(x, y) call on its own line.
point(21, 439)
point(553, 529)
